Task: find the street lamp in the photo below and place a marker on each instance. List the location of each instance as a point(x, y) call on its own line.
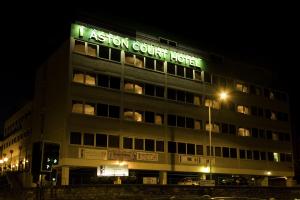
point(223, 95)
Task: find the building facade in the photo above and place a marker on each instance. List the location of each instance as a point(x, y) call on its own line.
point(138, 102)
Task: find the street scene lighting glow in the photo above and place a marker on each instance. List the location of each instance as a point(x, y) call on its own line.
point(223, 95)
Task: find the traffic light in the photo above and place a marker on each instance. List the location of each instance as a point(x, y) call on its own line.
point(50, 156)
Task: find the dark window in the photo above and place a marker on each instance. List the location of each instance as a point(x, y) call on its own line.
point(171, 94)
point(198, 75)
point(102, 109)
point(171, 147)
point(255, 132)
point(139, 144)
point(208, 150)
point(261, 133)
point(180, 96)
point(267, 93)
point(189, 122)
point(159, 91)
point(199, 149)
point(270, 156)
point(149, 63)
point(127, 143)
point(263, 155)
point(242, 154)
point(282, 157)
point(114, 111)
point(260, 112)
point(149, 89)
point(149, 117)
point(281, 136)
point(115, 82)
point(180, 121)
point(268, 114)
point(256, 155)
point(103, 80)
point(75, 138)
point(88, 139)
point(191, 149)
point(115, 55)
point(288, 157)
point(180, 70)
point(287, 137)
point(252, 89)
point(181, 148)
point(218, 151)
point(254, 110)
point(224, 128)
point(207, 77)
point(189, 97)
point(171, 68)
point(113, 141)
point(249, 154)
point(225, 152)
point(232, 129)
point(172, 120)
point(103, 52)
point(233, 153)
point(101, 140)
point(189, 73)
point(160, 146)
point(159, 65)
point(269, 135)
point(149, 145)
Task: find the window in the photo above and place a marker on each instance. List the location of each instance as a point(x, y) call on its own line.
point(78, 77)
point(242, 88)
point(225, 152)
point(180, 71)
point(282, 157)
point(233, 153)
point(149, 117)
point(256, 155)
point(133, 87)
point(180, 96)
point(102, 110)
point(263, 155)
point(255, 132)
point(197, 124)
point(232, 129)
point(189, 97)
point(273, 115)
point(103, 80)
point(213, 103)
point(77, 107)
point(244, 132)
point(198, 75)
point(218, 151)
point(224, 128)
point(276, 157)
point(75, 138)
point(88, 139)
point(199, 149)
point(149, 63)
point(127, 143)
point(139, 144)
point(159, 91)
point(103, 52)
point(171, 147)
point(261, 133)
point(79, 47)
point(133, 115)
point(249, 154)
point(84, 78)
point(189, 73)
point(190, 122)
point(181, 121)
point(101, 140)
point(89, 109)
point(132, 59)
point(269, 135)
point(190, 149)
point(115, 83)
point(170, 68)
point(288, 157)
point(243, 109)
point(92, 50)
point(159, 65)
point(149, 89)
point(160, 146)
point(171, 120)
point(159, 119)
point(275, 136)
point(208, 151)
point(113, 141)
point(254, 110)
point(260, 112)
point(114, 111)
point(207, 77)
point(214, 127)
point(171, 94)
point(242, 154)
point(181, 148)
point(149, 145)
point(115, 55)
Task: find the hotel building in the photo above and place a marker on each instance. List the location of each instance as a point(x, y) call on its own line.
point(130, 103)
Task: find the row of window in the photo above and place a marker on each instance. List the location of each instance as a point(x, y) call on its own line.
point(112, 111)
point(172, 94)
point(177, 70)
point(140, 61)
point(15, 139)
point(113, 141)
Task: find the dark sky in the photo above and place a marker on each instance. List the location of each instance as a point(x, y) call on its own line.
point(256, 34)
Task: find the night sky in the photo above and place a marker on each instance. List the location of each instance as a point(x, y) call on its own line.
point(259, 35)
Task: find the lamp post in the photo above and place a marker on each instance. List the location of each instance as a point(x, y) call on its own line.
point(222, 96)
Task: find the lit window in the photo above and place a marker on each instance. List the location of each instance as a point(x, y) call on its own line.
point(139, 61)
point(90, 79)
point(135, 60)
point(128, 115)
point(132, 87)
point(242, 88)
point(197, 125)
point(89, 109)
point(78, 77)
point(275, 136)
point(197, 100)
point(81, 77)
point(244, 132)
point(243, 109)
point(77, 107)
point(214, 127)
point(213, 103)
point(134, 116)
point(273, 115)
point(129, 86)
point(129, 58)
point(159, 119)
point(138, 116)
point(198, 75)
point(276, 157)
point(79, 47)
point(92, 50)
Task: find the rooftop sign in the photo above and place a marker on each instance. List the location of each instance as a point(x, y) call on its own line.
point(137, 47)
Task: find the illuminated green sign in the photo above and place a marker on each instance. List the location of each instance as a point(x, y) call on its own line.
point(134, 46)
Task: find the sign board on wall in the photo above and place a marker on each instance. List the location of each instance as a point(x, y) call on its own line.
point(112, 170)
point(147, 156)
point(184, 159)
point(120, 155)
point(149, 180)
point(92, 154)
